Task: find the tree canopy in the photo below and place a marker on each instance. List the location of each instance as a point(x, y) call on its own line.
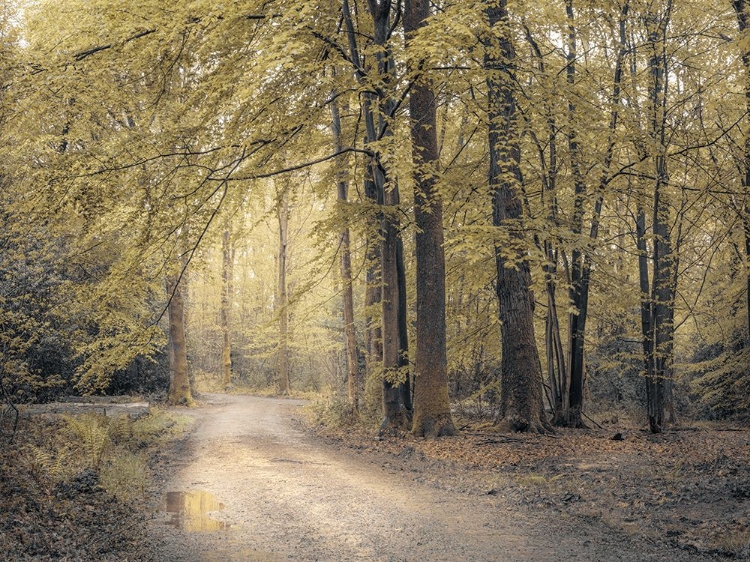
point(543, 206)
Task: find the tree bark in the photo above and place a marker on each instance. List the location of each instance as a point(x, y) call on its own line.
point(282, 305)
point(743, 22)
point(521, 406)
point(395, 414)
point(179, 386)
point(663, 288)
point(373, 288)
point(226, 307)
point(577, 319)
point(350, 336)
point(432, 415)
point(393, 347)
point(557, 373)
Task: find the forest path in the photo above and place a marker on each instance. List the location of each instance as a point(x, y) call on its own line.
point(269, 491)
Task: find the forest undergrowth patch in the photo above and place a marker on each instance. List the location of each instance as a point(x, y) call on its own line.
point(687, 487)
point(73, 488)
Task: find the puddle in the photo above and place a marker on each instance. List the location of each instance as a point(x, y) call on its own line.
point(190, 511)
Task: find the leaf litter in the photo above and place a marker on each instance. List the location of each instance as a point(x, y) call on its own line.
point(688, 488)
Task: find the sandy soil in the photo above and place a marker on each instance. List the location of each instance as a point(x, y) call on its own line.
point(270, 491)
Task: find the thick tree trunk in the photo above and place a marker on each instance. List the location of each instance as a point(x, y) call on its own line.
point(350, 337)
point(521, 406)
point(432, 415)
point(394, 411)
point(226, 307)
point(179, 386)
point(282, 305)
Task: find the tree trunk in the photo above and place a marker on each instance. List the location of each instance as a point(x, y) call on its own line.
point(179, 385)
point(557, 373)
point(282, 305)
point(746, 223)
point(392, 351)
point(394, 411)
point(352, 353)
point(646, 304)
point(581, 276)
point(373, 289)
point(395, 414)
point(432, 415)
point(663, 288)
point(403, 331)
point(226, 307)
point(577, 319)
point(521, 405)
point(743, 22)
point(556, 370)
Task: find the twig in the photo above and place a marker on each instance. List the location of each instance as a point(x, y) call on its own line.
point(592, 420)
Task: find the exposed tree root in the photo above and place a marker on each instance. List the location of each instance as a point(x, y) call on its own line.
point(517, 424)
point(434, 426)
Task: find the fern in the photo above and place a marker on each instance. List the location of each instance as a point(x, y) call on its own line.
point(47, 467)
point(93, 432)
point(120, 429)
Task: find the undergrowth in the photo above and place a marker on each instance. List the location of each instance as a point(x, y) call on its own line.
point(70, 486)
point(334, 412)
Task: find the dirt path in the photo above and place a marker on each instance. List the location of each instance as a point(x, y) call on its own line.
point(273, 492)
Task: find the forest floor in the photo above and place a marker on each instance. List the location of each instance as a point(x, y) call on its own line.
point(283, 488)
point(255, 480)
point(687, 488)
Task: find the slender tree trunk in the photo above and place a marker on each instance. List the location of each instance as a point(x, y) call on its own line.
point(646, 304)
point(284, 384)
point(373, 288)
point(179, 386)
point(392, 351)
point(663, 289)
point(742, 10)
point(556, 370)
point(432, 415)
point(226, 307)
point(557, 373)
point(576, 320)
point(403, 331)
point(746, 222)
point(352, 353)
point(582, 287)
point(395, 414)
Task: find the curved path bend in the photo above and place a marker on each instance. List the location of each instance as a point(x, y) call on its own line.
point(272, 492)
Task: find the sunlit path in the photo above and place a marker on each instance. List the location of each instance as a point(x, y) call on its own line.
point(253, 487)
